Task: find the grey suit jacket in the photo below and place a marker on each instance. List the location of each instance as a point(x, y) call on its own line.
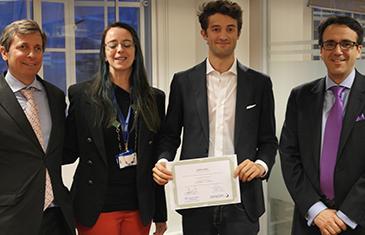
point(254, 133)
point(23, 164)
point(300, 151)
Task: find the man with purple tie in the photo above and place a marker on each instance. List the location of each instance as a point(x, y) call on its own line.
point(321, 145)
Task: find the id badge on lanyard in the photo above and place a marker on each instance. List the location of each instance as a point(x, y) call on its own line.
point(127, 157)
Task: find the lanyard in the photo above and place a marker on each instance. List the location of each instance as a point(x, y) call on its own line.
point(122, 122)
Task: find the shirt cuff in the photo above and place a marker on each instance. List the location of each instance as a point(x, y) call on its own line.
point(314, 211)
point(351, 223)
point(162, 160)
point(262, 163)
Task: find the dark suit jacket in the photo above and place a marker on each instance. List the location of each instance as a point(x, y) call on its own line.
point(254, 134)
point(23, 164)
point(85, 141)
point(300, 150)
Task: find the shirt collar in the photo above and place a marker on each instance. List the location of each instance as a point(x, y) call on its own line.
point(345, 83)
point(16, 85)
point(233, 68)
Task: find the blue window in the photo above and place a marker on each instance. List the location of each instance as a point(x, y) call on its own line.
point(74, 30)
point(11, 11)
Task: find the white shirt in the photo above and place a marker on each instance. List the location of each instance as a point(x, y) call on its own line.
point(221, 91)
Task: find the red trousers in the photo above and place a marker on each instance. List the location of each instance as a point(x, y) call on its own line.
point(116, 223)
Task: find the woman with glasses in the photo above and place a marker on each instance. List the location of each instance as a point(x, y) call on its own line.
point(112, 127)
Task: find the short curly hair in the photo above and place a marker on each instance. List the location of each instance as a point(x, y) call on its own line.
point(223, 7)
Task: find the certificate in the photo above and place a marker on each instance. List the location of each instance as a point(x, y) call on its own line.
point(203, 182)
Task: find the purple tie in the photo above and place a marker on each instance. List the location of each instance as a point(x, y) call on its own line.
point(330, 143)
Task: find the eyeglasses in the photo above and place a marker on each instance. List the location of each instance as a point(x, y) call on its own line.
point(112, 45)
point(345, 45)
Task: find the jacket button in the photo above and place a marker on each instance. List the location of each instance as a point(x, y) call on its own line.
point(90, 182)
point(89, 140)
point(89, 162)
point(149, 143)
point(41, 190)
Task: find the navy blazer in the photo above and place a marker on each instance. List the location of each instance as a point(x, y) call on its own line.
point(84, 140)
point(254, 132)
point(300, 152)
point(23, 163)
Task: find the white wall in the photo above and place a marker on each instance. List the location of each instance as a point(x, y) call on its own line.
point(294, 23)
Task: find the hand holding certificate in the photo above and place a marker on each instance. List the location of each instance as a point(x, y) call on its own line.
point(203, 182)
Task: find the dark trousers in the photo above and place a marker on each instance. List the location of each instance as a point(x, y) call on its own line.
point(54, 223)
point(223, 220)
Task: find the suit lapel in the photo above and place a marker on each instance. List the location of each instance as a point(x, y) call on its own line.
point(55, 116)
point(353, 109)
point(143, 137)
point(313, 116)
point(198, 81)
point(95, 130)
point(244, 90)
point(11, 105)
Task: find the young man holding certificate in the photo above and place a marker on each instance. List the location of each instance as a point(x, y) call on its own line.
point(225, 108)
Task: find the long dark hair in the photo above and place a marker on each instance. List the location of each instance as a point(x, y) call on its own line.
point(141, 92)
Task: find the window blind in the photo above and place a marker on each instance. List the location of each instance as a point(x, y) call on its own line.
point(342, 5)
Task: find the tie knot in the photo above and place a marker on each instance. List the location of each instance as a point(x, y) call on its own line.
point(337, 90)
point(28, 93)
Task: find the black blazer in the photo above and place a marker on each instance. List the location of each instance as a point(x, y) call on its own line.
point(254, 134)
point(85, 141)
point(23, 163)
point(300, 151)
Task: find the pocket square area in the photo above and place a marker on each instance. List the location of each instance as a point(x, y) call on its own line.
point(250, 106)
point(361, 117)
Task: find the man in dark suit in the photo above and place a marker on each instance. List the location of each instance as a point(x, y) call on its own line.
point(33, 199)
point(323, 164)
point(225, 108)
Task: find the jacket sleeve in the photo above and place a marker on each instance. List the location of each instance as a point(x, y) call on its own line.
point(70, 150)
point(295, 175)
point(171, 131)
point(160, 198)
point(267, 141)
